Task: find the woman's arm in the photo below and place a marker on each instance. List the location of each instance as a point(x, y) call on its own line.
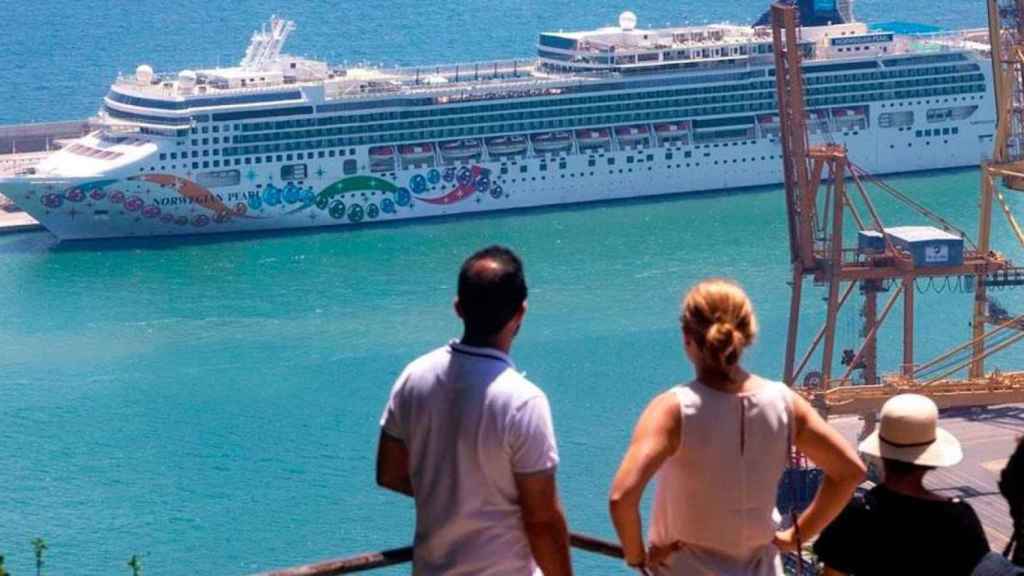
point(843, 469)
point(656, 438)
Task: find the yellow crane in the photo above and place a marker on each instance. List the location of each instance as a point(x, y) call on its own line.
point(825, 189)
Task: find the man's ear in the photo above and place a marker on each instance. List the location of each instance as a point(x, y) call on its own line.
point(458, 308)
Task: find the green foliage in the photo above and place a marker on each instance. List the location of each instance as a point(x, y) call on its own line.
point(39, 545)
point(135, 563)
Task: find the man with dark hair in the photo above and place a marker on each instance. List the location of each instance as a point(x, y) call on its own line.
point(471, 440)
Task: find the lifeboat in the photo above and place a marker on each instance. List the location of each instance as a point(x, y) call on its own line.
point(382, 158)
point(552, 142)
point(506, 145)
point(382, 153)
point(593, 138)
point(460, 149)
point(632, 135)
point(817, 121)
point(672, 131)
point(851, 117)
point(850, 112)
point(769, 124)
point(416, 152)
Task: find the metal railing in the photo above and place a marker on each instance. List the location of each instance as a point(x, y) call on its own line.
point(383, 559)
point(374, 560)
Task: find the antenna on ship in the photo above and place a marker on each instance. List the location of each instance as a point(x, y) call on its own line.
point(265, 46)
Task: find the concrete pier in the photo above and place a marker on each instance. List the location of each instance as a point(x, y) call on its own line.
point(18, 221)
point(24, 138)
point(23, 146)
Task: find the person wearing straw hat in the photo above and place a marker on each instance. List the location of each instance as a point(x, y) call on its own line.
point(900, 526)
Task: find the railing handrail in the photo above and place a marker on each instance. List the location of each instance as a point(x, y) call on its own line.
point(374, 560)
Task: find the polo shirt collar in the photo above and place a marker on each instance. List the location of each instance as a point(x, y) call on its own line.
point(480, 352)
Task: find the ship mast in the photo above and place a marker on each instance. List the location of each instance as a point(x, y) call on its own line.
point(266, 45)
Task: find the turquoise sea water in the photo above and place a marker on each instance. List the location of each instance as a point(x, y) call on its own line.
point(213, 403)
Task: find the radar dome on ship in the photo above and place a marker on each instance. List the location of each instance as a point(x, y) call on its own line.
point(144, 74)
point(627, 21)
point(186, 78)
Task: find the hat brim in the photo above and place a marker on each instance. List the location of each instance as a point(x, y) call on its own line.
point(944, 451)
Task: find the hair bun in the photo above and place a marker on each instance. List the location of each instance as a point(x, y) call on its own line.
point(718, 317)
point(724, 343)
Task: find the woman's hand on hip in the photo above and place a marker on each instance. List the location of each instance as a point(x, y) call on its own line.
point(785, 540)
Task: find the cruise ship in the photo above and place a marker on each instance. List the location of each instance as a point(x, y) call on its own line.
point(619, 112)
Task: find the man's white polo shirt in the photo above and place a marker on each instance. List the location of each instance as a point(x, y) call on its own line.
point(470, 422)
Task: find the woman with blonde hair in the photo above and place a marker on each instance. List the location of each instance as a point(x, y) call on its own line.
point(719, 445)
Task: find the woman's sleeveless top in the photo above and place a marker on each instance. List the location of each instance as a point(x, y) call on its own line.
point(716, 494)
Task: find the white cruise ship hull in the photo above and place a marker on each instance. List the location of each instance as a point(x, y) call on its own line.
point(159, 204)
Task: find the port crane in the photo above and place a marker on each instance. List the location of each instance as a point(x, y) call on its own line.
point(826, 190)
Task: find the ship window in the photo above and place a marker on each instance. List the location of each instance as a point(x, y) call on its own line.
point(206, 153)
point(330, 153)
point(216, 129)
point(280, 158)
point(163, 157)
point(205, 129)
point(248, 160)
point(349, 167)
point(206, 164)
point(522, 169)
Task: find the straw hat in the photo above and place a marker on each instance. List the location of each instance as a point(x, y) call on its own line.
point(908, 432)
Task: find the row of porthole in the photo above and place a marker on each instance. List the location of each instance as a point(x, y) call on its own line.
point(649, 168)
point(944, 101)
point(911, 144)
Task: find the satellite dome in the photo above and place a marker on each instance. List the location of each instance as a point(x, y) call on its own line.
point(627, 21)
point(187, 78)
point(144, 74)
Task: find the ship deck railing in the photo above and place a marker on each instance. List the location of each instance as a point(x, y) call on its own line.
point(396, 556)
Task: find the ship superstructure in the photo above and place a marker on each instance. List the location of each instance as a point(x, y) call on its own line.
point(619, 112)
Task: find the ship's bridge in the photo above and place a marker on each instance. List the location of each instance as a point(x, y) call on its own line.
point(168, 104)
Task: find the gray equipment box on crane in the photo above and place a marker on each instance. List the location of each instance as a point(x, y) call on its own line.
point(930, 247)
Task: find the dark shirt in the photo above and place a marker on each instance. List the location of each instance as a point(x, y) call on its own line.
point(885, 532)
